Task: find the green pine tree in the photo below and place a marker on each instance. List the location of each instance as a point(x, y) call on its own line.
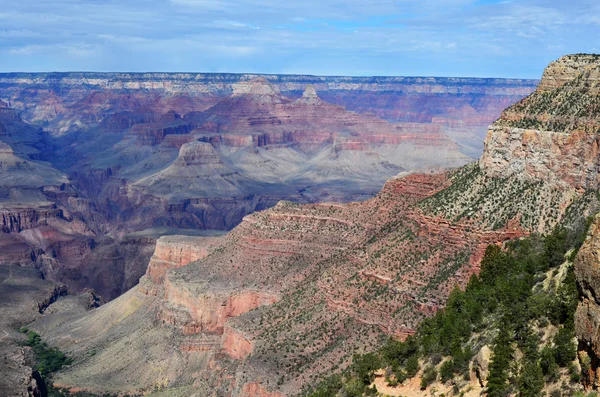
point(531, 380)
point(502, 355)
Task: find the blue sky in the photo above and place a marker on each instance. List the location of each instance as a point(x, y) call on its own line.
point(479, 38)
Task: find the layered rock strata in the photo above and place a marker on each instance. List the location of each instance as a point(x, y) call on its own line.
point(363, 268)
point(552, 134)
point(249, 313)
point(244, 314)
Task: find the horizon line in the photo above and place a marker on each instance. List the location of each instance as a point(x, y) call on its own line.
point(273, 74)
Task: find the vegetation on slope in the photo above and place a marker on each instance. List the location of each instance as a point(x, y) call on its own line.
point(571, 106)
point(48, 359)
point(521, 305)
point(475, 197)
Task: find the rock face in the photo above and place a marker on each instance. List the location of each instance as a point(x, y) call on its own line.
point(175, 251)
point(482, 362)
point(19, 220)
point(310, 97)
point(587, 317)
point(155, 133)
point(571, 158)
point(235, 345)
point(552, 134)
point(570, 68)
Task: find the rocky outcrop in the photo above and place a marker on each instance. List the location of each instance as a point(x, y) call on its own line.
point(482, 363)
point(16, 221)
point(8, 114)
point(570, 158)
point(587, 316)
point(172, 252)
point(259, 90)
point(551, 134)
point(190, 312)
point(568, 69)
point(184, 308)
point(154, 134)
point(197, 153)
point(310, 97)
point(235, 345)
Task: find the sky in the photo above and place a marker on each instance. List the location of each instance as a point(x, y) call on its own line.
point(472, 38)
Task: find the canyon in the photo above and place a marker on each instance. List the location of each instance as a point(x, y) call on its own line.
point(291, 292)
point(97, 166)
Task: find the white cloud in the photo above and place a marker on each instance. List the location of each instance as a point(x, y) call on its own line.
point(234, 25)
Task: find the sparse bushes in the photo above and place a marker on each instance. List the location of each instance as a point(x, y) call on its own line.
point(506, 298)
